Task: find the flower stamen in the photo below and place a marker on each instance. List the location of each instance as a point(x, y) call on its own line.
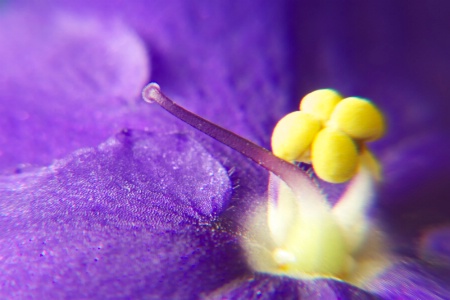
point(329, 132)
point(308, 236)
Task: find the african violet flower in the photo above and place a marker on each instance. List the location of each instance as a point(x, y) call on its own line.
point(105, 197)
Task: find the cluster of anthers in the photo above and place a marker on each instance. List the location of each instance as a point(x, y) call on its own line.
point(307, 236)
point(329, 132)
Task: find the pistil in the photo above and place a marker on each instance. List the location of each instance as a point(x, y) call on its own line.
point(310, 238)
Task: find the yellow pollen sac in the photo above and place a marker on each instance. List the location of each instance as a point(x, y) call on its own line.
point(293, 135)
point(320, 103)
point(359, 118)
point(334, 156)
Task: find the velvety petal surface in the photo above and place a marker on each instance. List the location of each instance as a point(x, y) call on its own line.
point(129, 219)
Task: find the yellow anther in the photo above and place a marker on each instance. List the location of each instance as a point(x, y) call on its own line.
point(359, 118)
point(334, 156)
point(320, 103)
point(293, 135)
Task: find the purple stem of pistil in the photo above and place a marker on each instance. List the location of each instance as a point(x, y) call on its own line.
point(288, 172)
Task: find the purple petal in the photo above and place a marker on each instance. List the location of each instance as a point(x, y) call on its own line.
point(411, 280)
point(262, 286)
point(435, 246)
point(198, 54)
point(65, 83)
point(214, 59)
point(128, 219)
